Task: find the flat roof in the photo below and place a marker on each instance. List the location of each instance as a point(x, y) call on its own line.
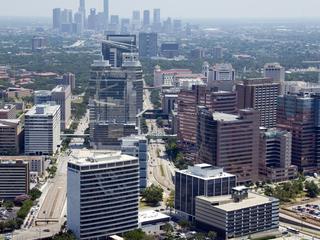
point(43, 109)
point(9, 122)
point(151, 215)
point(94, 157)
point(227, 204)
point(219, 116)
point(21, 158)
point(206, 171)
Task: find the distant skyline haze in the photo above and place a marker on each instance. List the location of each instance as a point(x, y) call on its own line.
point(187, 9)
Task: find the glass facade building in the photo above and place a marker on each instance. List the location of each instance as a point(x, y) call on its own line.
point(200, 180)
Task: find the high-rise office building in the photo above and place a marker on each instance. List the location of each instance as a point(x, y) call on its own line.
point(125, 27)
point(230, 141)
point(42, 130)
point(148, 45)
point(93, 19)
point(68, 79)
point(79, 22)
point(42, 97)
point(299, 115)
point(116, 45)
point(103, 194)
point(136, 20)
point(275, 155)
point(38, 43)
point(156, 20)
point(61, 95)
point(276, 72)
point(177, 25)
point(106, 11)
point(200, 180)
point(261, 95)
point(56, 18)
point(82, 7)
point(116, 99)
point(137, 146)
point(146, 18)
point(10, 136)
point(222, 77)
point(15, 180)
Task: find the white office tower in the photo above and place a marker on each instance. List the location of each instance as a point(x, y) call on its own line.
point(103, 194)
point(137, 146)
point(276, 72)
point(42, 130)
point(222, 77)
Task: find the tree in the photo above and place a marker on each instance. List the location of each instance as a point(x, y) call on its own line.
point(137, 234)
point(168, 229)
point(184, 224)
point(199, 236)
point(8, 205)
point(170, 201)
point(153, 194)
point(212, 235)
point(35, 193)
point(312, 189)
point(64, 236)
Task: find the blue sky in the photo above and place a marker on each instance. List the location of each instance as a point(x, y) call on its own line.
point(175, 8)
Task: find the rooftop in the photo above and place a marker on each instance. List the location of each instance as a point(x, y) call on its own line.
point(219, 116)
point(60, 88)
point(206, 171)
point(226, 203)
point(88, 157)
point(21, 158)
point(43, 109)
point(150, 215)
point(9, 122)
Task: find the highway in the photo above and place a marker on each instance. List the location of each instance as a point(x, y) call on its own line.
point(161, 170)
point(50, 216)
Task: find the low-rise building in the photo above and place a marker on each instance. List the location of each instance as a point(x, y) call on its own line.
point(240, 214)
point(152, 222)
point(8, 111)
point(14, 180)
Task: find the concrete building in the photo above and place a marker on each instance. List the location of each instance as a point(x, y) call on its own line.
point(230, 141)
point(200, 180)
point(103, 194)
point(223, 101)
point(148, 45)
point(14, 179)
point(42, 97)
point(188, 101)
point(261, 95)
point(275, 156)
point(61, 95)
point(163, 78)
point(18, 93)
point(8, 111)
point(152, 222)
point(37, 164)
point(116, 97)
point(221, 77)
point(69, 79)
point(169, 100)
point(10, 136)
point(137, 146)
point(170, 49)
point(237, 215)
point(276, 72)
point(42, 130)
point(157, 20)
point(38, 43)
point(146, 18)
point(56, 18)
point(299, 115)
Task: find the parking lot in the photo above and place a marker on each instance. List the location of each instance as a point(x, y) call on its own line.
point(311, 210)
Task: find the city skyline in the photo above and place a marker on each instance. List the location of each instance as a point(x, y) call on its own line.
point(192, 10)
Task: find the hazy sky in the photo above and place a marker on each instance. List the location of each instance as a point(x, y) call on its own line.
point(174, 8)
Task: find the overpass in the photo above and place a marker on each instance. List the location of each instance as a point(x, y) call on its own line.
point(160, 136)
point(64, 136)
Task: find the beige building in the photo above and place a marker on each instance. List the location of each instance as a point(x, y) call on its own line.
point(260, 94)
point(62, 96)
point(10, 133)
point(8, 111)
